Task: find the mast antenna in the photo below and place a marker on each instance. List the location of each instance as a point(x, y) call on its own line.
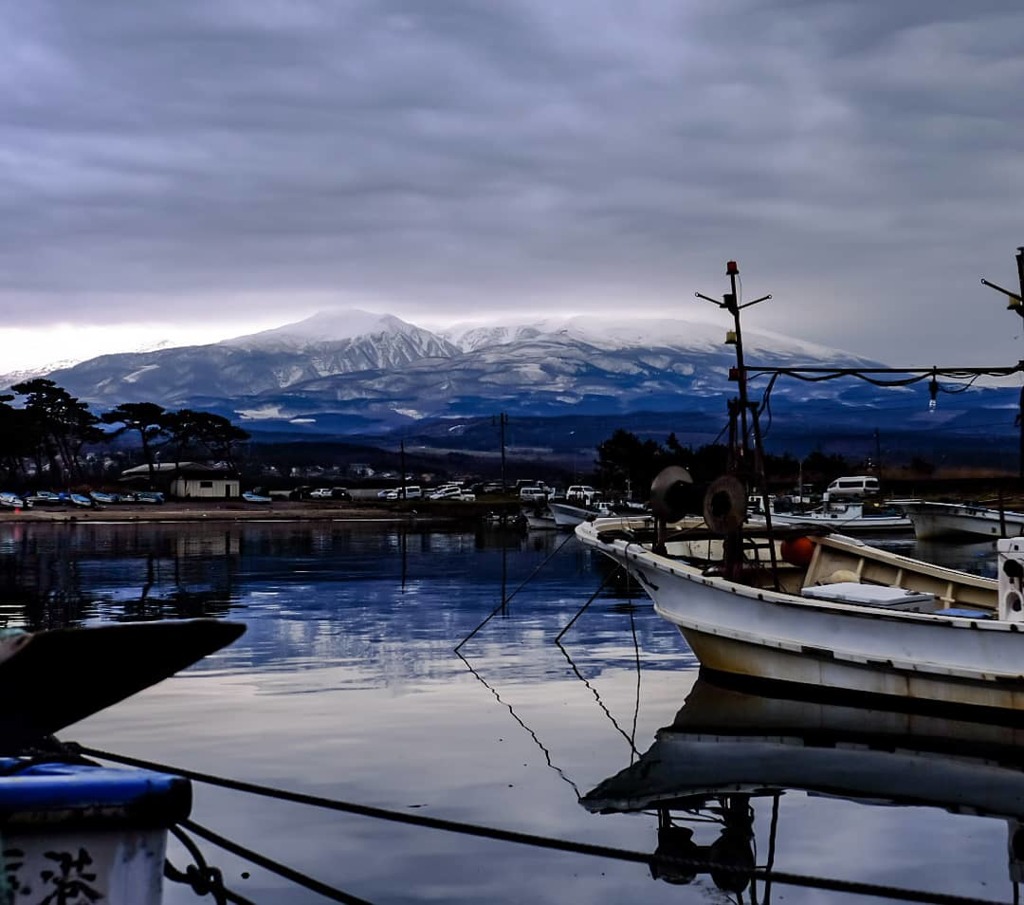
point(743, 421)
point(1016, 302)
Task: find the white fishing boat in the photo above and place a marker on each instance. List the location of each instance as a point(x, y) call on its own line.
point(847, 516)
point(829, 614)
point(944, 520)
point(853, 618)
point(539, 517)
point(570, 514)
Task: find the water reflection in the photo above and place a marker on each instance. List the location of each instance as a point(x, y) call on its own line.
point(729, 751)
point(346, 684)
point(313, 593)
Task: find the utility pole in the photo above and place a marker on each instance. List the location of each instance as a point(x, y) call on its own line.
point(401, 467)
point(502, 420)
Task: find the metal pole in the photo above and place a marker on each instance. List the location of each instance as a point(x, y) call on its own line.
point(1020, 415)
point(503, 420)
point(732, 305)
point(401, 466)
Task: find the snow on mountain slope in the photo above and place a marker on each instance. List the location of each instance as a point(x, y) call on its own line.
point(328, 327)
point(641, 333)
point(365, 367)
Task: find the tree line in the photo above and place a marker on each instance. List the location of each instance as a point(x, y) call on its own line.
point(626, 462)
point(50, 431)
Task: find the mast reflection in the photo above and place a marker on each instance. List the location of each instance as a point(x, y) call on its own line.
point(730, 750)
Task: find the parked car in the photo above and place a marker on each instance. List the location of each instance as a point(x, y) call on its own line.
point(409, 493)
point(531, 494)
point(581, 493)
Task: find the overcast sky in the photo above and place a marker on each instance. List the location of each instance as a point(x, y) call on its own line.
point(232, 165)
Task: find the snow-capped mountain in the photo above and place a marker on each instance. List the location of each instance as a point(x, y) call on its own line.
point(353, 372)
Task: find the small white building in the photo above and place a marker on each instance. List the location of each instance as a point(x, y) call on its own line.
point(187, 480)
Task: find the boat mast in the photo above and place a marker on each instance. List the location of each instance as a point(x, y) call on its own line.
point(1016, 303)
point(746, 462)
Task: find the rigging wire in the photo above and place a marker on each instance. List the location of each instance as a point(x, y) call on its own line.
point(630, 739)
point(530, 732)
point(563, 845)
point(636, 652)
point(525, 582)
point(605, 581)
point(965, 378)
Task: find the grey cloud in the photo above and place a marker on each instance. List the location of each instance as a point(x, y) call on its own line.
point(451, 154)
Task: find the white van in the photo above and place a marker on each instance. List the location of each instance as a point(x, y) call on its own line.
point(853, 487)
point(533, 494)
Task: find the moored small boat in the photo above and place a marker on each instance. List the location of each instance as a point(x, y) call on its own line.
point(841, 616)
point(539, 518)
point(75, 831)
point(826, 613)
point(849, 517)
point(44, 498)
point(569, 515)
point(950, 520)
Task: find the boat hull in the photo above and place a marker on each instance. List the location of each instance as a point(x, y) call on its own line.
point(944, 520)
point(754, 661)
point(761, 633)
point(868, 524)
point(568, 516)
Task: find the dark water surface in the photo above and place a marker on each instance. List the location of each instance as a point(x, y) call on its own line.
point(346, 685)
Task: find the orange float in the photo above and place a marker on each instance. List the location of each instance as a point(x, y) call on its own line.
point(797, 551)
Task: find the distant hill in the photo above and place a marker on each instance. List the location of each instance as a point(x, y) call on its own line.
point(377, 378)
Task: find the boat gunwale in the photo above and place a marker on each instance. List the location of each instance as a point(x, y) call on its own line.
point(682, 569)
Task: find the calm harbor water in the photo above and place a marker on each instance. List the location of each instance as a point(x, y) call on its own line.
point(347, 685)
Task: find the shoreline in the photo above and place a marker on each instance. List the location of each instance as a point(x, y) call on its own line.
point(238, 510)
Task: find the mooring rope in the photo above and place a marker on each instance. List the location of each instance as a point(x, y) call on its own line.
point(851, 887)
point(533, 735)
point(505, 600)
point(301, 879)
point(199, 876)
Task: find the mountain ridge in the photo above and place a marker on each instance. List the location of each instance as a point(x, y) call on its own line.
point(354, 373)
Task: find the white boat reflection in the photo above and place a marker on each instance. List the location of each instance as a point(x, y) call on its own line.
point(729, 750)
